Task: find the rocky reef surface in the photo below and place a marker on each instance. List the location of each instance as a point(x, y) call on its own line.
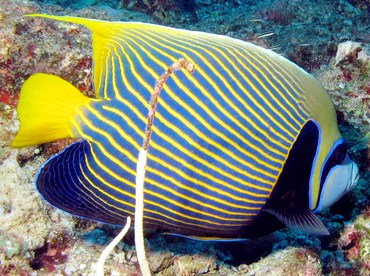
point(330, 39)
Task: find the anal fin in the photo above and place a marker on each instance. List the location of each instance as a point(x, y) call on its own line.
point(66, 182)
point(205, 239)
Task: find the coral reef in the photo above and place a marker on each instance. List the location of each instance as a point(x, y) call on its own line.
point(362, 4)
point(331, 39)
point(290, 261)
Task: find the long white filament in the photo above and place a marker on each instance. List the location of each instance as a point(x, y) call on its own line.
point(142, 160)
point(104, 255)
point(139, 212)
point(140, 178)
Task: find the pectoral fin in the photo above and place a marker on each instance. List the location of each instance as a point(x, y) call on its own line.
point(303, 221)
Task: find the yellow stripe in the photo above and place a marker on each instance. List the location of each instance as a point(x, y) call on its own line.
point(209, 112)
point(284, 72)
point(298, 94)
point(146, 209)
point(220, 107)
point(184, 163)
point(132, 172)
point(172, 168)
point(231, 74)
point(134, 160)
point(106, 75)
point(198, 146)
point(171, 141)
point(200, 134)
point(266, 78)
point(101, 191)
point(149, 181)
point(213, 179)
point(257, 55)
point(205, 61)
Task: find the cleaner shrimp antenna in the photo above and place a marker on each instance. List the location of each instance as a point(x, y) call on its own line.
point(142, 160)
point(140, 177)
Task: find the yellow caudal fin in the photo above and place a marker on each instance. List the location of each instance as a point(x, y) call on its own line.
point(46, 110)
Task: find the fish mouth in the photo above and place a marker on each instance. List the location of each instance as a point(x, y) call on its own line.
point(355, 177)
point(341, 179)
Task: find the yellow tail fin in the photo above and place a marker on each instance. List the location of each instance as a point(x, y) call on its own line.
point(46, 110)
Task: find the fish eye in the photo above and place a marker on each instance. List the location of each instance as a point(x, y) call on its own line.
point(339, 153)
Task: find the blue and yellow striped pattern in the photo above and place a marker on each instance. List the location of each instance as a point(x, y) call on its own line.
point(220, 139)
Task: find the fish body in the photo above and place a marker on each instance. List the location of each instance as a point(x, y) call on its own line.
point(246, 143)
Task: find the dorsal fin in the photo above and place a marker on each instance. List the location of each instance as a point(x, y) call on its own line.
point(68, 182)
point(101, 31)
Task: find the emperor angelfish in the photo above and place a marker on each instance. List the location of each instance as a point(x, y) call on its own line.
point(246, 144)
